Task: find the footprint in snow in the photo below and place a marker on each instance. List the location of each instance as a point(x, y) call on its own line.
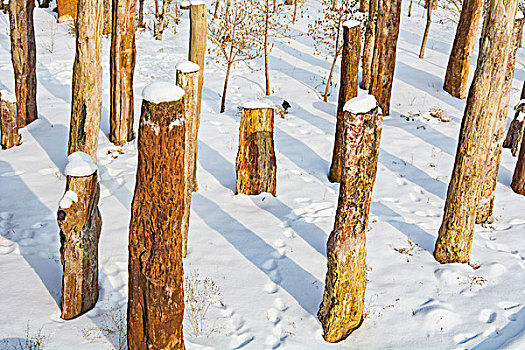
point(487, 316)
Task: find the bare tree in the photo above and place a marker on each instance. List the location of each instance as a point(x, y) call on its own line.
point(427, 28)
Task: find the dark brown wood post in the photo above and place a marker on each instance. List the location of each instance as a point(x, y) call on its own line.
point(8, 125)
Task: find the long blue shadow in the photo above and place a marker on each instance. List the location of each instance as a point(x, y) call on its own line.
point(509, 336)
point(300, 284)
point(222, 169)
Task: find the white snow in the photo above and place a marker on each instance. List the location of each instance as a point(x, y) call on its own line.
point(187, 67)
point(256, 105)
point(69, 198)
point(80, 164)
point(175, 122)
point(351, 23)
point(360, 104)
point(519, 15)
point(188, 3)
point(8, 96)
point(520, 116)
point(160, 91)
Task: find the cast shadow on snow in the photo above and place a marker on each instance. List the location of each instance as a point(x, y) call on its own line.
point(220, 168)
point(300, 284)
point(503, 338)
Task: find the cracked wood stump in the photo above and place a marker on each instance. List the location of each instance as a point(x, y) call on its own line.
point(456, 77)
point(80, 224)
point(256, 164)
point(490, 170)
point(122, 66)
point(341, 311)
point(384, 59)
point(156, 302)
point(23, 57)
point(477, 129)
point(348, 88)
point(8, 123)
point(67, 10)
point(368, 47)
point(187, 77)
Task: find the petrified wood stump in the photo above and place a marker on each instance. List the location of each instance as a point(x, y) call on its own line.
point(67, 10)
point(341, 311)
point(156, 302)
point(188, 79)
point(256, 164)
point(80, 224)
point(9, 125)
point(349, 85)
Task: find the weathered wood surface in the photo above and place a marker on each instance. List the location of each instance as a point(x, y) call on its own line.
point(8, 123)
point(256, 165)
point(364, 5)
point(189, 82)
point(23, 57)
point(122, 66)
point(108, 16)
point(67, 10)
point(341, 311)
point(80, 225)
point(348, 87)
point(87, 79)
point(515, 133)
point(369, 43)
point(456, 78)
point(490, 170)
point(477, 130)
point(518, 178)
point(197, 46)
point(384, 59)
point(156, 302)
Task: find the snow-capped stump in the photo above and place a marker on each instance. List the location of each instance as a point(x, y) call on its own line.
point(9, 126)
point(341, 311)
point(348, 88)
point(156, 303)
point(80, 224)
point(256, 165)
point(67, 10)
point(187, 77)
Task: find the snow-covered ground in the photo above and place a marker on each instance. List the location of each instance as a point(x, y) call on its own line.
point(265, 253)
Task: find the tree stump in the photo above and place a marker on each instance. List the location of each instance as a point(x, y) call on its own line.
point(80, 224)
point(368, 48)
point(348, 87)
point(156, 302)
point(9, 125)
point(188, 79)
point(477, 129)
point(490, 170)
point(198, 38)
point(122, 66)
point(23, 56)
point(341, 311)
point(518, 178)
point(384, 59)
point(256, 164)
point(67, 10)
point(456, 78)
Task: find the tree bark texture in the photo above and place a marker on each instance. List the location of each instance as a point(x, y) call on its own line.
point(80, 226)
point(108, 17)
point(156, 301)
point(87, 79)
point(490, 170)
point(427, 29)
point(140, 21)
point(515, 133)
point(456, 77)
point(122, 66)
point(518, 178)
point(341, 310)
point(368, 49)
point(477, 130)
point(256, 164)
point(189, 82)
point(434, 4)
point(384, 59)
point(364, 5)
point(67, 10)
point(23, 56)
point(9, 125)
point(348, 87)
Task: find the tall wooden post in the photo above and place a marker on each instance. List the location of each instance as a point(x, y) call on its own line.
point(490, 170)
point(122, 66)
point(456, 78)
point(477, 129)
point(341, 311)
point(188, 79)
point(368, 48)
point(256, 165)
point(80, 223)
point(8, 123)
point(384, 60)
point(156, 301)
point(348, 88)
point(23, 56)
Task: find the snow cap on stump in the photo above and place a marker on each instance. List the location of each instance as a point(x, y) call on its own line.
point(187, 67)
point(159, 92)
point(188, 3)
point(351, 23)
point(256, 105)
point(80, 164)
point(7, 96)
point(360, 104)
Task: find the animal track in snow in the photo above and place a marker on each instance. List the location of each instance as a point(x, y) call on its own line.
point(487, 316)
